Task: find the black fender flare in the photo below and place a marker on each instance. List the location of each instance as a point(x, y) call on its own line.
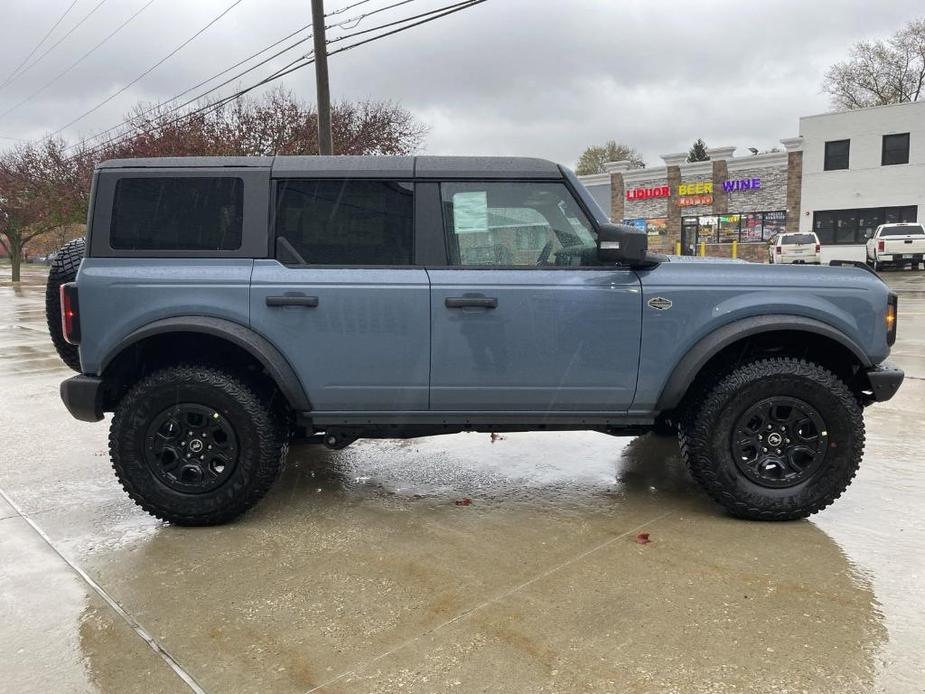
point(253, 343)
point(690, 365)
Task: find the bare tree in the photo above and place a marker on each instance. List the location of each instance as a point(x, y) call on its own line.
point(880, 72)
point(40, 190)
point(592, 160)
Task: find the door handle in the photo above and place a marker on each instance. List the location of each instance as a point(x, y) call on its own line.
point(471, 302)
point(293, 300)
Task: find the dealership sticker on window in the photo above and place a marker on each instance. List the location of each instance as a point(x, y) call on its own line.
point(470, 212)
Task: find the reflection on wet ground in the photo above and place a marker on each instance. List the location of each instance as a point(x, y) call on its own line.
point(367, 570)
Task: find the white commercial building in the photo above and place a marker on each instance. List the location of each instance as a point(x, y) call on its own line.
point(860, 169)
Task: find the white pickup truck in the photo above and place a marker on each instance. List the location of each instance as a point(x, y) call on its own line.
point(896, 245)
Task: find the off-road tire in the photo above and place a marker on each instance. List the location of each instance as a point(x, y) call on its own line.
point(707, 423)
point(63, 270)
point(260, 425)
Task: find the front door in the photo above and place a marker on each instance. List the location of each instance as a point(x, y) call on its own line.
point(342, 300)
point(524, 319)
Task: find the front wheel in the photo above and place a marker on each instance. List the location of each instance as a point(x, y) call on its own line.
point(194, 445)
point(776, 439)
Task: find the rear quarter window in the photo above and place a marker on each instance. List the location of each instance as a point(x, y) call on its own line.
point(177, 214)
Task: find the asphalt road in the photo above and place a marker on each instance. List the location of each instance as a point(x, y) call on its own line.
point(361, 573)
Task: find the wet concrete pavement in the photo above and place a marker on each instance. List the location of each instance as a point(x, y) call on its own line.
point(361, 573)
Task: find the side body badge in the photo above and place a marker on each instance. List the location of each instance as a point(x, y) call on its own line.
point(660, 303)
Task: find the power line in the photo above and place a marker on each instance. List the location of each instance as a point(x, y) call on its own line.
point(432, 14)
point(356, 20)
point(54, 45)
point(39, 44)
point(149, 70)
point(282, 72)
point(348, 7)
point(210, 79)
point(76, 62)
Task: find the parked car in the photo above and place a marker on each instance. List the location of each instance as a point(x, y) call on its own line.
point(801, 248)
point(896, 245)
point(226, 306)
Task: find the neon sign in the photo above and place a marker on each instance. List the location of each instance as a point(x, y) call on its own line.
point(647, 193)
point(741, 185)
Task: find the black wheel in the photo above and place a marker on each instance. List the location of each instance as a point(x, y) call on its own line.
point(63, 269)
point(194, 445)
point(776, 439)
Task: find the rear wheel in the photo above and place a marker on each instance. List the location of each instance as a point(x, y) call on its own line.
point(777, 439)
point(63, 270)
point(194, 445)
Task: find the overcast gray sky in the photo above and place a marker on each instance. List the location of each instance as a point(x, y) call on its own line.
point(533, 77)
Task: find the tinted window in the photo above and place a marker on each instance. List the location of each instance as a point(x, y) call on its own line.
point(177, 214)
point(914, 229)
point(836, 154)
point(516, 224)
point(895, 149)
point(791, 239)
point(345, 222)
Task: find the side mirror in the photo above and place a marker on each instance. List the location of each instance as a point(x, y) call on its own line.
point(621, 243)
point(868, 234)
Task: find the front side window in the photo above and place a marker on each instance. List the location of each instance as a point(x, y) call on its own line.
point(516, 224)
point(895, 149)
point(177, 214)
point(836, 154)
point(344, 222)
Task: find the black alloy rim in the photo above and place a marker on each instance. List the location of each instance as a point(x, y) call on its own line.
point(191, 448)
point(779, 442)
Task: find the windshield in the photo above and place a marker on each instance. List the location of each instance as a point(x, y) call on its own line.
point(915, 229)
point(798, 238)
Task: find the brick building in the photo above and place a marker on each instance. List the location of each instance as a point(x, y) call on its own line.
point(729, 204)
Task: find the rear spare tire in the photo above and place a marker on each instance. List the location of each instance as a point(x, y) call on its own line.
point(63, 270)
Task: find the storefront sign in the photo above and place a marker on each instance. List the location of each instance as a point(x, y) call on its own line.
point(698, 188)
point(691, 200)
point(647, 193)
point(741, 185)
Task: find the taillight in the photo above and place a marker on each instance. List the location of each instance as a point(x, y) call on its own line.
point(777, 250)
point(891, 306)
point(70, 313)
point(880, 246)
point(818, 247)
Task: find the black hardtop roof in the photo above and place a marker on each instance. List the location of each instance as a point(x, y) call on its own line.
point(358, 166)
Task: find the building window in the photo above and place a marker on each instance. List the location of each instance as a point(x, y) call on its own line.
point(754, 227)
point(895, 149)
point(852, 226)
point(836, 154)
point(344, 222)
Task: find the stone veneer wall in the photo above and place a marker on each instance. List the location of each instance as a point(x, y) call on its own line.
point(794, 190)
point(645, 209)
point(771, 196)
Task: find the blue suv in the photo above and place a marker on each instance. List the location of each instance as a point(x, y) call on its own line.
point(226, 306)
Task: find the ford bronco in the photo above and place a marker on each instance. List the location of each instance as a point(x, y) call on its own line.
point(225, 306)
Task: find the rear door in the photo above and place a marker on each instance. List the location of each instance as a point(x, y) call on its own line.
point(523, 318)
point(342, 299)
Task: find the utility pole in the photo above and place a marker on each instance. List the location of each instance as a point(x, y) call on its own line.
point(325, 141)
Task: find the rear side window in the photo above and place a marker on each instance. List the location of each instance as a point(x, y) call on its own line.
point(913, 229)
point(341, 222)
point(177, 214)
point(792, 239)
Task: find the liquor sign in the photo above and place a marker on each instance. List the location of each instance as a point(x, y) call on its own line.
point(647, 193)
point(741, 185)
point(691, 200)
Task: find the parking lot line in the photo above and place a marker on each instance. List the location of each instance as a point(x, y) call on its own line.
point(108, 599)
point(491, 601)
